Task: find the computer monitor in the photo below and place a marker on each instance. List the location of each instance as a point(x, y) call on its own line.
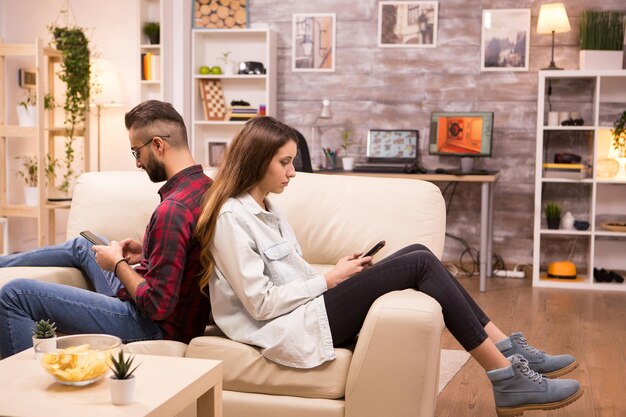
point(394, 146)
point(463, 134)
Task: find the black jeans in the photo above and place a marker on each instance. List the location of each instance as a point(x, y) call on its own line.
point(413, 267)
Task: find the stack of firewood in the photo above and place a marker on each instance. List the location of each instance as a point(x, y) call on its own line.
point(220, 13)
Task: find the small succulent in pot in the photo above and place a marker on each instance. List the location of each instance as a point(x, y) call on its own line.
point(44, 329)
point(122, 366)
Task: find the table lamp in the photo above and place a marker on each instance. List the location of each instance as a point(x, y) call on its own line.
point(325, 113)
point(552, 19)
point(105, 90)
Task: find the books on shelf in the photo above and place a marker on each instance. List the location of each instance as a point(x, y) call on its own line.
point(241, 113)
point(150, 67)
point(565, 171)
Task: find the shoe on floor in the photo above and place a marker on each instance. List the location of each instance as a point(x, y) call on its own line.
point(551, 366)
point(518, 389)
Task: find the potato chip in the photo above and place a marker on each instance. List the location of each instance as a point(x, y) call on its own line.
point(76, 363)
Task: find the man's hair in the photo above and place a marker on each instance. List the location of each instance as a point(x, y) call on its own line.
point(158, 118)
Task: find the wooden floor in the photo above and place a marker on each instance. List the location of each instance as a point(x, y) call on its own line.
point(589, 325)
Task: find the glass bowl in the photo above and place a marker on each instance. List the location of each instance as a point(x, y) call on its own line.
point(78, 359)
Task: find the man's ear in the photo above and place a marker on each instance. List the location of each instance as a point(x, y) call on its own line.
point(159, 143)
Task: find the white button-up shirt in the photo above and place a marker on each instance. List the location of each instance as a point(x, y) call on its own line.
point(263, 292)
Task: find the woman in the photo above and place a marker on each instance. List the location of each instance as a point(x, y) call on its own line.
point(265, 294)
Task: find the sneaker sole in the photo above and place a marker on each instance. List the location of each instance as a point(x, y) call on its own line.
point(560, 372)
point(518, 411)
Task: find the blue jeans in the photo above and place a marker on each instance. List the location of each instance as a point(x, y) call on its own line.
point(24, 301)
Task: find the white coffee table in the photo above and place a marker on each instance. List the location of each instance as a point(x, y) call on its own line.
point(165, 386)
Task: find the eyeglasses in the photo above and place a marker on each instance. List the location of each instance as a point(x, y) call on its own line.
point(136, 151)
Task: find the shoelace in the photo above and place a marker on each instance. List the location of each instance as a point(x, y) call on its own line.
point(525, 369)
point(524, 345)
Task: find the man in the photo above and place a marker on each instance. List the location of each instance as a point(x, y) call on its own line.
point(160, 298)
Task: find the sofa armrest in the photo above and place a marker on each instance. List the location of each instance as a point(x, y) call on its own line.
point(395, 366)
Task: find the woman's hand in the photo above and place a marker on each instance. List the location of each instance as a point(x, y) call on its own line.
point(132, 250)
point(346, 267)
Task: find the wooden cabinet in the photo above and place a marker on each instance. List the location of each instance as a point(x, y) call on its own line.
point(208, 49)
point(42, 137)
point(597, 193)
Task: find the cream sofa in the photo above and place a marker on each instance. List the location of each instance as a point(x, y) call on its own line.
point(393, 368)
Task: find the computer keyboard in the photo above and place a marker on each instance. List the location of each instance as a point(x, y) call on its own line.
point(380, 168)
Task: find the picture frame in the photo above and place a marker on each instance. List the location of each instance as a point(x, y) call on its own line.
point(505, 41)
point(313, 42)
point(216, 151)
point(407, 24)
point(216, 14)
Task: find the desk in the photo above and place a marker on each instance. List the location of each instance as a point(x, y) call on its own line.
point(165, 387)
point(486, 207)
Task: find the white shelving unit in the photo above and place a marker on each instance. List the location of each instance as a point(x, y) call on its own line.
point(207, 47)
point(600, 97)
point(151, 11)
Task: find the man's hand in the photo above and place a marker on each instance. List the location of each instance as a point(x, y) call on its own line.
point(107, 256)
point(346, 267)
point(132, 250)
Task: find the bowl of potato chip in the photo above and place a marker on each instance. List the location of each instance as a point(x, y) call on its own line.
point(79, 359)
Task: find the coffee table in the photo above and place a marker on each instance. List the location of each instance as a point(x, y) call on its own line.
point(165, 387)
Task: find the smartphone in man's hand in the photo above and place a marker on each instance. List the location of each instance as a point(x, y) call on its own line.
point(374, 250)
point(93, 238)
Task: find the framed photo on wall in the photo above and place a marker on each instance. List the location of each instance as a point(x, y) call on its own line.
point(505, 40)
point(313, 44)
point(216, 151)
point(407, 24)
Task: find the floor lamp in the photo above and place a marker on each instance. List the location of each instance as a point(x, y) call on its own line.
point(325, 113)
point(105, 91)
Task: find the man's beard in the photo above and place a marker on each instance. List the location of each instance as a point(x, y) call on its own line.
point(155, 169)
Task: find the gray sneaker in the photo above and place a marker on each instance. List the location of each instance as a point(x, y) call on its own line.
point(551, 366)
point(518, 389)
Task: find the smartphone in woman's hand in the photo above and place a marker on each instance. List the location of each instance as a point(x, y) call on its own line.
point(374, 250)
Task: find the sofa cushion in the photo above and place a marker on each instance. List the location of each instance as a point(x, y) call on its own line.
point(59, 275)
point(246, 370)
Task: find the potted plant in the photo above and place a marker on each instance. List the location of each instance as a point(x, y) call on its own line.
point(601, 39)
point(619, 135)
point(153, 31)
point(29, 173)
point(123, 380)
point(346, 141)
point(228, 67)
point(553, 215)
point(26, 110)
point(75, 73)
point(44, 335)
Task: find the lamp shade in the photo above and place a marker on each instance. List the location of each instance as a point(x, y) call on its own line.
point(553, 18)
point(325, 112)
point(105, 84)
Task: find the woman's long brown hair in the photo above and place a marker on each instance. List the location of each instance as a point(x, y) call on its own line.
point(242, 167)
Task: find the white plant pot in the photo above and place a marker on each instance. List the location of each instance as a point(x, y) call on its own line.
point(122, 390)
point(27, 116)
point(45, 345)
point(229, 68)
point(31, 196)
point(348, 163)
point(600, 60)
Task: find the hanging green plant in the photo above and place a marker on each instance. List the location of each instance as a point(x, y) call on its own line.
point(75, 73)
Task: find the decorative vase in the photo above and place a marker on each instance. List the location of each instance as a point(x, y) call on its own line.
point(348, 163)
point(600, 60)
point(568, 221)
point(122, 390)
point(554, 222)
point(31, 196)
point(27, 116)
point(45, 345)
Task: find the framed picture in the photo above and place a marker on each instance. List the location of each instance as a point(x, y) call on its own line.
point(313, 46)
point(220, 14)
point(505, 40)
point(407, 24)
point(216, 151)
